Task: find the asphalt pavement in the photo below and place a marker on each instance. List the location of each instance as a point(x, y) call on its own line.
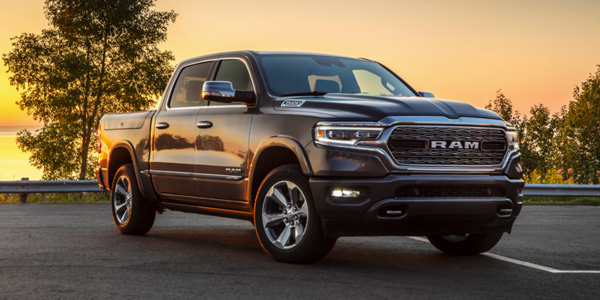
point(73, 251)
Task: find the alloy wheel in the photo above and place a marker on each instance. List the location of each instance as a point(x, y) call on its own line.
point(285, 215)
point(122, 200)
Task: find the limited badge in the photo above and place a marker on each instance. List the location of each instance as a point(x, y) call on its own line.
point(292, 103)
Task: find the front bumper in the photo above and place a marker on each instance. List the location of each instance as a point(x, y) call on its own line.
point(431, 215)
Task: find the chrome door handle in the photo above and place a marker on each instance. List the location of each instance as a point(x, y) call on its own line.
point(162, 125)
point(204, 124)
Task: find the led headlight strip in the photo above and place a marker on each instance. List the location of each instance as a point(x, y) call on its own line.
point(513, 140)
point(345, 135)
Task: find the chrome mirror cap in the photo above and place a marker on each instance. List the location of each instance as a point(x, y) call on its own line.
point(216, 90)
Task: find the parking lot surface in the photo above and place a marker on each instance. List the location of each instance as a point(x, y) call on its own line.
point(73, 251)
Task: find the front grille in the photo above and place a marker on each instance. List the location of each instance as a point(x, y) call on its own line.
point(450, 192)
point(455, 145)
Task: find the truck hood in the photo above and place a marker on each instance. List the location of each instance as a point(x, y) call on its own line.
point(368, 107)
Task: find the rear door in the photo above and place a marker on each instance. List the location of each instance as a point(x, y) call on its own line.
point(175, 132)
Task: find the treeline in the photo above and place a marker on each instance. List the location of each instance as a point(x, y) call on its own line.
point(563, 147)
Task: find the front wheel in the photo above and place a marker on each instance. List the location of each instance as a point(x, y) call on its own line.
point(285, 219)
point(465, 244)
point(132, 214)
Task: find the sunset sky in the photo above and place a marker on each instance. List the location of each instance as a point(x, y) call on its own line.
point(535, 51)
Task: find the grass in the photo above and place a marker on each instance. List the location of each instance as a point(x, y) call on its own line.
point(582, 201)
point(58, 198)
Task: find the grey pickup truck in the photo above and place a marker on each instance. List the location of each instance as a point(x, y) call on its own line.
point(309, 148)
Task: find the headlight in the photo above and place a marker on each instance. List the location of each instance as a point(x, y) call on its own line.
point(345, 135)
point(513, 140)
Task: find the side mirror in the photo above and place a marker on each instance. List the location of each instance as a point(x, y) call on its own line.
point(427, 95)
point(222, 91)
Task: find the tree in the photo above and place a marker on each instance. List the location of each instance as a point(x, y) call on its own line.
point(582, 130)
point(537, 142)
point(97, 56)
point(503, 107)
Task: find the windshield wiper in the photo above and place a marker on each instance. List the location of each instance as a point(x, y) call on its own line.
point(314, 93)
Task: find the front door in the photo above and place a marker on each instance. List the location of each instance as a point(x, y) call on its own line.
point(222, 141)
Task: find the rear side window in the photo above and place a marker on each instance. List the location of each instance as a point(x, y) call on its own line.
point(188, 87)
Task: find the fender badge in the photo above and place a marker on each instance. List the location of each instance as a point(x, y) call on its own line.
point(292, 103)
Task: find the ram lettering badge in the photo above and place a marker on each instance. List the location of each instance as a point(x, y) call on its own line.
point(454, 145)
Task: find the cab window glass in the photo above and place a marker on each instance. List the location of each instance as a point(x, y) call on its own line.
point(234, 71)
point(188, 87)
point(371, 83)
point(305, 74)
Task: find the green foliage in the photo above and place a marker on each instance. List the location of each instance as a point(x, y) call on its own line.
point(58, 198)
point(582, 126)
point(550, 176)
point(568, 140)
point(98, 56)
point(503, 107)
point(587, 201)
point(538, 142)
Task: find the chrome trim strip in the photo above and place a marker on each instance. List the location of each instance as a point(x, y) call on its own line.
point(224, 106)
point(380, 147)
point(195, 175)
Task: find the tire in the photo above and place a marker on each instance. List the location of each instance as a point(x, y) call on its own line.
point(286, 221)
point(131, 212)
point(468, 244)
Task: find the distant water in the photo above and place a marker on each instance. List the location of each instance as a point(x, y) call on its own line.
point(12, 130)
point(14, 164)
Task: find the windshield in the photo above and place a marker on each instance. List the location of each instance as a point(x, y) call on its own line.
point(288, 75)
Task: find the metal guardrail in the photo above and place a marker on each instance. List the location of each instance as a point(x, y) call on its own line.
point(561, 190)
point(24, 187)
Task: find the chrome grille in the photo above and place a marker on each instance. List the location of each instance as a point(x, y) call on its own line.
point(412, 145)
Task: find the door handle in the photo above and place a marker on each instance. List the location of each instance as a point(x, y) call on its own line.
point(162, 125)
point(204, 124)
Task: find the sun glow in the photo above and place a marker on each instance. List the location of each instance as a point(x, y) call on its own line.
point(14, 163)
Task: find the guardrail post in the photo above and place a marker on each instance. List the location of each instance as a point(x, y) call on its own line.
point(24, 195)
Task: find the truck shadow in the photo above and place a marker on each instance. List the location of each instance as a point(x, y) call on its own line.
point(350, 254)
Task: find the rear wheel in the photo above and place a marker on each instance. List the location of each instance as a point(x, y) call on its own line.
point(465, 244)
point(132, 214)
point(285, 219)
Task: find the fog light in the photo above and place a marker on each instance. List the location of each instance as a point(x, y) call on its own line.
point(345, 193)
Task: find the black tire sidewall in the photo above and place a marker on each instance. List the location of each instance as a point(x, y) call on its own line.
point(473, 244)
point(142, 213)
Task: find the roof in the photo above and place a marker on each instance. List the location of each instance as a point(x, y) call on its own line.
point(266, 53)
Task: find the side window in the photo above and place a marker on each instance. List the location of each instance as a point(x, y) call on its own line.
point(188, 87)
point(234, 71)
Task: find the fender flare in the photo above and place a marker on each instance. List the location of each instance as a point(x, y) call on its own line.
point(279, 141)
point(129, 147)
